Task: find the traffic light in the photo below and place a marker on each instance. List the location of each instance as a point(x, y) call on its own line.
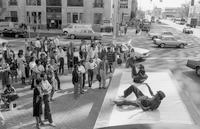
point(192, 2)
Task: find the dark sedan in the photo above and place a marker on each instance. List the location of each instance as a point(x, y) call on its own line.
point(13, 32)
point(194, 65)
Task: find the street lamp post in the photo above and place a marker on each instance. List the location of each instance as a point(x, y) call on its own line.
point(116, 13)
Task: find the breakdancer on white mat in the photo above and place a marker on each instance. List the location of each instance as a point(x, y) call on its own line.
point(142, 101)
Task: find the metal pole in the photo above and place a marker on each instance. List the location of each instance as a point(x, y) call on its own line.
point(116, 12)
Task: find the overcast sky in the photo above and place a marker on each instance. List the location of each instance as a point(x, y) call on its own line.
point(147, 4)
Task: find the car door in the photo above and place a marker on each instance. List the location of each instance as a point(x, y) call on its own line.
point(172, 41)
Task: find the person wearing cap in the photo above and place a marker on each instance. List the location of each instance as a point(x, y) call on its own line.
point(144, 102)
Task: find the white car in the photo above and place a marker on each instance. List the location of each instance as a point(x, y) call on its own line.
point(187, 30)
point(169, 41)
point(159, 35)
point(140, 53)
point(71, 28)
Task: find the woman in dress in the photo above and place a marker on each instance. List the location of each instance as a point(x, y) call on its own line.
point(37, 103)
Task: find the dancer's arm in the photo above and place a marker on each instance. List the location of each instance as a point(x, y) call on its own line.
point(150, 91)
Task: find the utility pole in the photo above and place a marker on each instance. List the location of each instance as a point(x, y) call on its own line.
point(115, 21)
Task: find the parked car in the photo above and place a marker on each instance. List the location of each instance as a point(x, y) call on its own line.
point(157, 35)
point(70, 28)
point(187, 30)
point(14, 32)
point(169, 41)
point(85, 34)
point(193, 64)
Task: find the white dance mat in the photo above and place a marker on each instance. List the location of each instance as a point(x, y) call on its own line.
point(171, 110)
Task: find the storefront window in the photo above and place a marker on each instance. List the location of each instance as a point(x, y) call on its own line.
point(54, 3)
point(74, 2)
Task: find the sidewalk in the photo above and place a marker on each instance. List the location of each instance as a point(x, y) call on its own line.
point(67, 112)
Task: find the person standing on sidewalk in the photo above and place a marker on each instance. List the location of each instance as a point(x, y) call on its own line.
point(61, 56)
point(111, 59)
point(37, 103)
point(102, 72)
point(55, 69)
point(46, 90)
point(81, 69)
point(75, 81)
point(91, 66)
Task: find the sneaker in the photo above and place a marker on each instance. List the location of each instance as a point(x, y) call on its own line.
point(52, 124)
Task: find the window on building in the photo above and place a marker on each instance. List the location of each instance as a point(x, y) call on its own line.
point(69, 20)
point(54, 9)
point(98, 18)
point(98, 3)
point(74, 2)
point(12, 2)
point(1, 3)
point(34, 16)
point(124, 0)
point(13, 15)
point(39, 17)
point(54, 2)
point(33, 2)
point(123, 5)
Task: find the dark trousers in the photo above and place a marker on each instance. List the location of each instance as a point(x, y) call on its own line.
point(90, 77)
point(57, 79)
point(32, 83)
point(110, 66)
point(127, 92)
point(133, 89)
point(61, 67)
point(47, 110)
point(83, 85)
point(27, 69)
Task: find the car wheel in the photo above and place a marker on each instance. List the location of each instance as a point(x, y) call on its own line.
point(162, 45)
point(65, 32)
point(198, 71)
point(16, 36)
point(72, 36)
point(181, 46)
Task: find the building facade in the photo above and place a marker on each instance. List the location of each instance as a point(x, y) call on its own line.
point(59, 13)
point(170, 13)
point(194, 10)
